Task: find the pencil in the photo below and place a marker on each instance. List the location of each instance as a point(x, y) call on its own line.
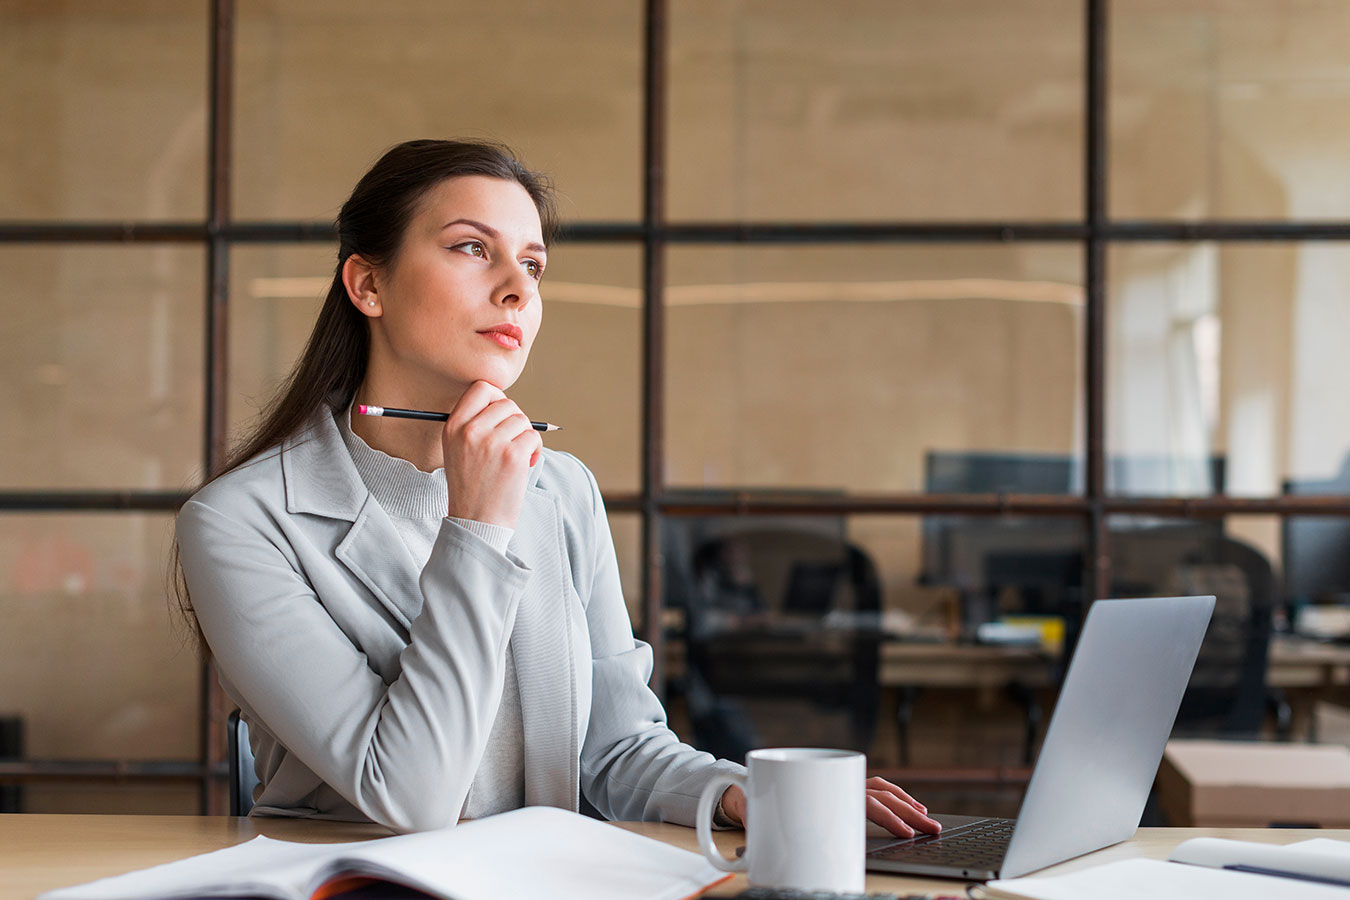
point(395, 413)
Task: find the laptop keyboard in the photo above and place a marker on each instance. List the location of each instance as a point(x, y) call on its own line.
point(981, 845)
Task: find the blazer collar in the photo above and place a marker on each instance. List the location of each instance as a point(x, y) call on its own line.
point(319, 473)
point(320, 476)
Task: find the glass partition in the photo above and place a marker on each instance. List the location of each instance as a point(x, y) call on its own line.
point(878, 110)
point(104, 359)
point(323, 88)
point(1222, 110)
point(1226, 370)
point(105, 110)
point(845, 369)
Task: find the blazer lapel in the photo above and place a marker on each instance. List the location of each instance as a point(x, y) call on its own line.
point(375, 553)
point(322, 480)
point(543, 639)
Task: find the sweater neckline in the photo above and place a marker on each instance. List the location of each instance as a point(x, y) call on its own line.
point(396, 484)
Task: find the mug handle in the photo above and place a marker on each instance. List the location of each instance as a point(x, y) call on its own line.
point(703, 820)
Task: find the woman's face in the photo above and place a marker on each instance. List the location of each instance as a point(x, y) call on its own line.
point(460, 301)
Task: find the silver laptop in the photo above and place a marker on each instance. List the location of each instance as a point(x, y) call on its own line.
point(1101, 751)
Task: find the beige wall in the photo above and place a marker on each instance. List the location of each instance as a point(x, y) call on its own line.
point(833, 368)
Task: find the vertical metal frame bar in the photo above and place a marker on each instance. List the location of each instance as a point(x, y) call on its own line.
point(1097, 576)
point(220, 105)
point(653, 325)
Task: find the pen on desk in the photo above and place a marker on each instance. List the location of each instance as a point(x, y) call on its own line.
point(395, 413)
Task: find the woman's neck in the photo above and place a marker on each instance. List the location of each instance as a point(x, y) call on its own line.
point(417, 441)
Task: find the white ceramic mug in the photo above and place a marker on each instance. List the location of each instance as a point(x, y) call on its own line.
point(805, 819)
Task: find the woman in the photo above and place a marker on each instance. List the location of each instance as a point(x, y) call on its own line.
point(423, 622)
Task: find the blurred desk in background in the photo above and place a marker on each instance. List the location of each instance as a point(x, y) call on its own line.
point(971, 666)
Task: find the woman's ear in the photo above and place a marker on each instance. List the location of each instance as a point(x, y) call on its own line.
point(358, 276)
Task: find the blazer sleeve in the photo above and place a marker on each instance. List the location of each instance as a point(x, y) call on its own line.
point(404, 753)
point(633, 767)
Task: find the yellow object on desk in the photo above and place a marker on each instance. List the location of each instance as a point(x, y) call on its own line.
point(1049, 628)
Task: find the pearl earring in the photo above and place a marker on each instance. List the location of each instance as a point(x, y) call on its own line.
point(370, 302)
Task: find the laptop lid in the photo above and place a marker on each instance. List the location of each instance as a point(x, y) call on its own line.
point(1109, 729)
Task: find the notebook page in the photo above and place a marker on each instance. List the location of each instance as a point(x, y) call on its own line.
point(1151, 879)
point(541, 852)
point(262, 867)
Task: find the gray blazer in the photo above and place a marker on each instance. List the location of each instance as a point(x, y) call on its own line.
point(370, 687)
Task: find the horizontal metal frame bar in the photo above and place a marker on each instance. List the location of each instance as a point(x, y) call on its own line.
point(735, 503)
point(1004, 504)
point(187, 772)
point(92, 501)
point(135, 232)
point(107, 771)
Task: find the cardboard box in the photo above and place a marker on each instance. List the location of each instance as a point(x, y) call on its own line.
point(1239, 784)
point(1332, 723)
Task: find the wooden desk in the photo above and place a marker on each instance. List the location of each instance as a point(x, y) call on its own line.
point(967, 666)
point(1294, 663)
point(41, 852)
point(1299, 663)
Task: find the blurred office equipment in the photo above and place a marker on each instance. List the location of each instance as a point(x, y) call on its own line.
point(243, 774)
point(11, 749)
point(1004, 564)
point(779, 615)
point(1031, 564)
point(1315, 550)
point(1019, 565)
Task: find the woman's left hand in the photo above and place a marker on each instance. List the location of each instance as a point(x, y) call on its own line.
point(887, 806)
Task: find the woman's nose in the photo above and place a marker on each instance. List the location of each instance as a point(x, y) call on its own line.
point(516, 288)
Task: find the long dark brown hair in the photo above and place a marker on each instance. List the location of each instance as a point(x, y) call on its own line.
point(371, 225)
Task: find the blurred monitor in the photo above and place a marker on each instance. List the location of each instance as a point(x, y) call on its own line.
point(1316, 549)
point(1038, 555)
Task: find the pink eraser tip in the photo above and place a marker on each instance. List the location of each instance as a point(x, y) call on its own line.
point(361, 410)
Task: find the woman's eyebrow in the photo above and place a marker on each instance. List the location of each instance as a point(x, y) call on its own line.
point(492, 232)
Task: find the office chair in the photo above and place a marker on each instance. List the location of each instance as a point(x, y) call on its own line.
point(780, 614)
point(243, 776)
point(1227, 695)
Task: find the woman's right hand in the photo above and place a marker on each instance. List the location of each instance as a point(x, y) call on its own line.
point(489, 447)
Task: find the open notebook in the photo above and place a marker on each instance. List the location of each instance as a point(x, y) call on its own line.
point(532, 852)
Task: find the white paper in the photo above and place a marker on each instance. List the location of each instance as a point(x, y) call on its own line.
point(260, 867)
point(1320, 857)
point(539, 852)
point(1151, 879)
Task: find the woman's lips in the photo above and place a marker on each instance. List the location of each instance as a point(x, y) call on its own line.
point(506, 335)
point(502, 339)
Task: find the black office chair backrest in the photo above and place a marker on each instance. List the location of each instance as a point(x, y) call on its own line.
point(1227, 694)
point(243, 775)
point(783, 614)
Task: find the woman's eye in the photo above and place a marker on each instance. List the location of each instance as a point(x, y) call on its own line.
point(473, 248)
point(534, 268)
